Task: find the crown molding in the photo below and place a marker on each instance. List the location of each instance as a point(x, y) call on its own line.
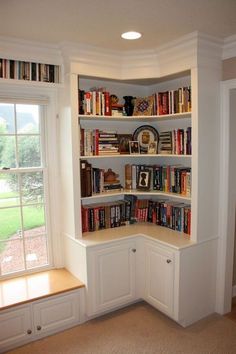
point(229, 47)
point(187, 52)
point(179, 55)
point(209, 51)
point(24, 50)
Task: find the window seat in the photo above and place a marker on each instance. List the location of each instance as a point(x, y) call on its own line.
point(32, 287)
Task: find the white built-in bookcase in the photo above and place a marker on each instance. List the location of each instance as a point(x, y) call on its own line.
point(204, 120)
point(129, 125)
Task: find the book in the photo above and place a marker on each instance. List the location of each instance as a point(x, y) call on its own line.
point(85, 178)
point(128, 176)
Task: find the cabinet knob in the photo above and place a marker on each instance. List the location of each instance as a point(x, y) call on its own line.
point(168, 261)
point(133, 250)
point(39, 328)
point(29, 331)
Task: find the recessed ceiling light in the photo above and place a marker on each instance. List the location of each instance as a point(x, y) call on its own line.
point(131, 35)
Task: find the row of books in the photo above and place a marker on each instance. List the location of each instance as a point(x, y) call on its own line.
point(176, 216)
point(92, 180)
point(98, 102)
point(21, 70)
point(174, 101)
point(98, 142)
point(177, 141)
point(169, 179)
point(94, 102)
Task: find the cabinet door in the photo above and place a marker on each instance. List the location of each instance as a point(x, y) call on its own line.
point(15, 327)
point(56, 314)
point(159, 290)
point(112, 277)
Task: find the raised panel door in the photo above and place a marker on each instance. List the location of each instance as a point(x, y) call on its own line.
point(56, 314)
point(15, 327)
point(114, 276)
point(159, 290)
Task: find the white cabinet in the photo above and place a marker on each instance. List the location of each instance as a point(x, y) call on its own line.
point(15, 327)
point(159, 287)
point(56, 314)
point(22, 324)
point(111, 277)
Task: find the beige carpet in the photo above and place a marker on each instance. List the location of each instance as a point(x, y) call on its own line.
point(140, 329)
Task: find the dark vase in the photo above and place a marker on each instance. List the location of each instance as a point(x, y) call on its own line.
point(129, 105)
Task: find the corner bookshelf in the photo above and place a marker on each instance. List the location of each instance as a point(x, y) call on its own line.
point(128, 124)
point(194, 256)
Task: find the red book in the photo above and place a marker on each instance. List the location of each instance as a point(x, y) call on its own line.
point(85, 227)
point(107, 104)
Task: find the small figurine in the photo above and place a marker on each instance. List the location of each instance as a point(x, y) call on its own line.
point(110, 176)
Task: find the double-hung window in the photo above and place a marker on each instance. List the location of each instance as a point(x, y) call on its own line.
point(24, 243)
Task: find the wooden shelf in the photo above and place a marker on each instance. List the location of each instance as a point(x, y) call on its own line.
point(137, 118)
point(128, 156)
point(164, 235)
point(123, 192)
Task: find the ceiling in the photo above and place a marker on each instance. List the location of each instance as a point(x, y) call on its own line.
point(101, 22)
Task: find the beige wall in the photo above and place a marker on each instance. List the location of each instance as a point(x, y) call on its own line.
point(229, 69)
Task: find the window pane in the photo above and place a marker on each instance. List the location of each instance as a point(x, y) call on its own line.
point(7, 121)
point(33, 220)
point(9, 190)
point(7, 151)
point(11, 256)
point(36, 251)
point(23, 231)
point(29, 153)
point(32, 187)
point(27, 119)
point(10, 221)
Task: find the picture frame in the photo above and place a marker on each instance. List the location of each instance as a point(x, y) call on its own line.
point(152, 147)
point(124, 140)
point(143, 106)
point(134, 147)
point(144, 179)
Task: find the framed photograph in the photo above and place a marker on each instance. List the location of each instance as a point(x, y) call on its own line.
point(134, 147)
point(144, 179)
point(124, 140)
point(152, 147)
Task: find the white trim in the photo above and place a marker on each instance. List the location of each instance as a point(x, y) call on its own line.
point(176, 56)
point(234, 291)
point(23, 100)
point(229, 47)
point(226, 242)
point(33, 51)
point(47, 95)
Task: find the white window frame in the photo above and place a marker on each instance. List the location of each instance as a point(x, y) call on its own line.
point(44, 96)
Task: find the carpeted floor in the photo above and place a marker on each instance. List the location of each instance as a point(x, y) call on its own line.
point(140, 329)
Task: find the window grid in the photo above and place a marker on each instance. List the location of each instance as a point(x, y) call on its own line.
point(18, 171)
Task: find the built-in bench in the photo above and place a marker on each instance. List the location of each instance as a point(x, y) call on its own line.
point(28, 288)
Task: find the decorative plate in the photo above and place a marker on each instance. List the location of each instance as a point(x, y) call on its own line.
point(145, 134)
